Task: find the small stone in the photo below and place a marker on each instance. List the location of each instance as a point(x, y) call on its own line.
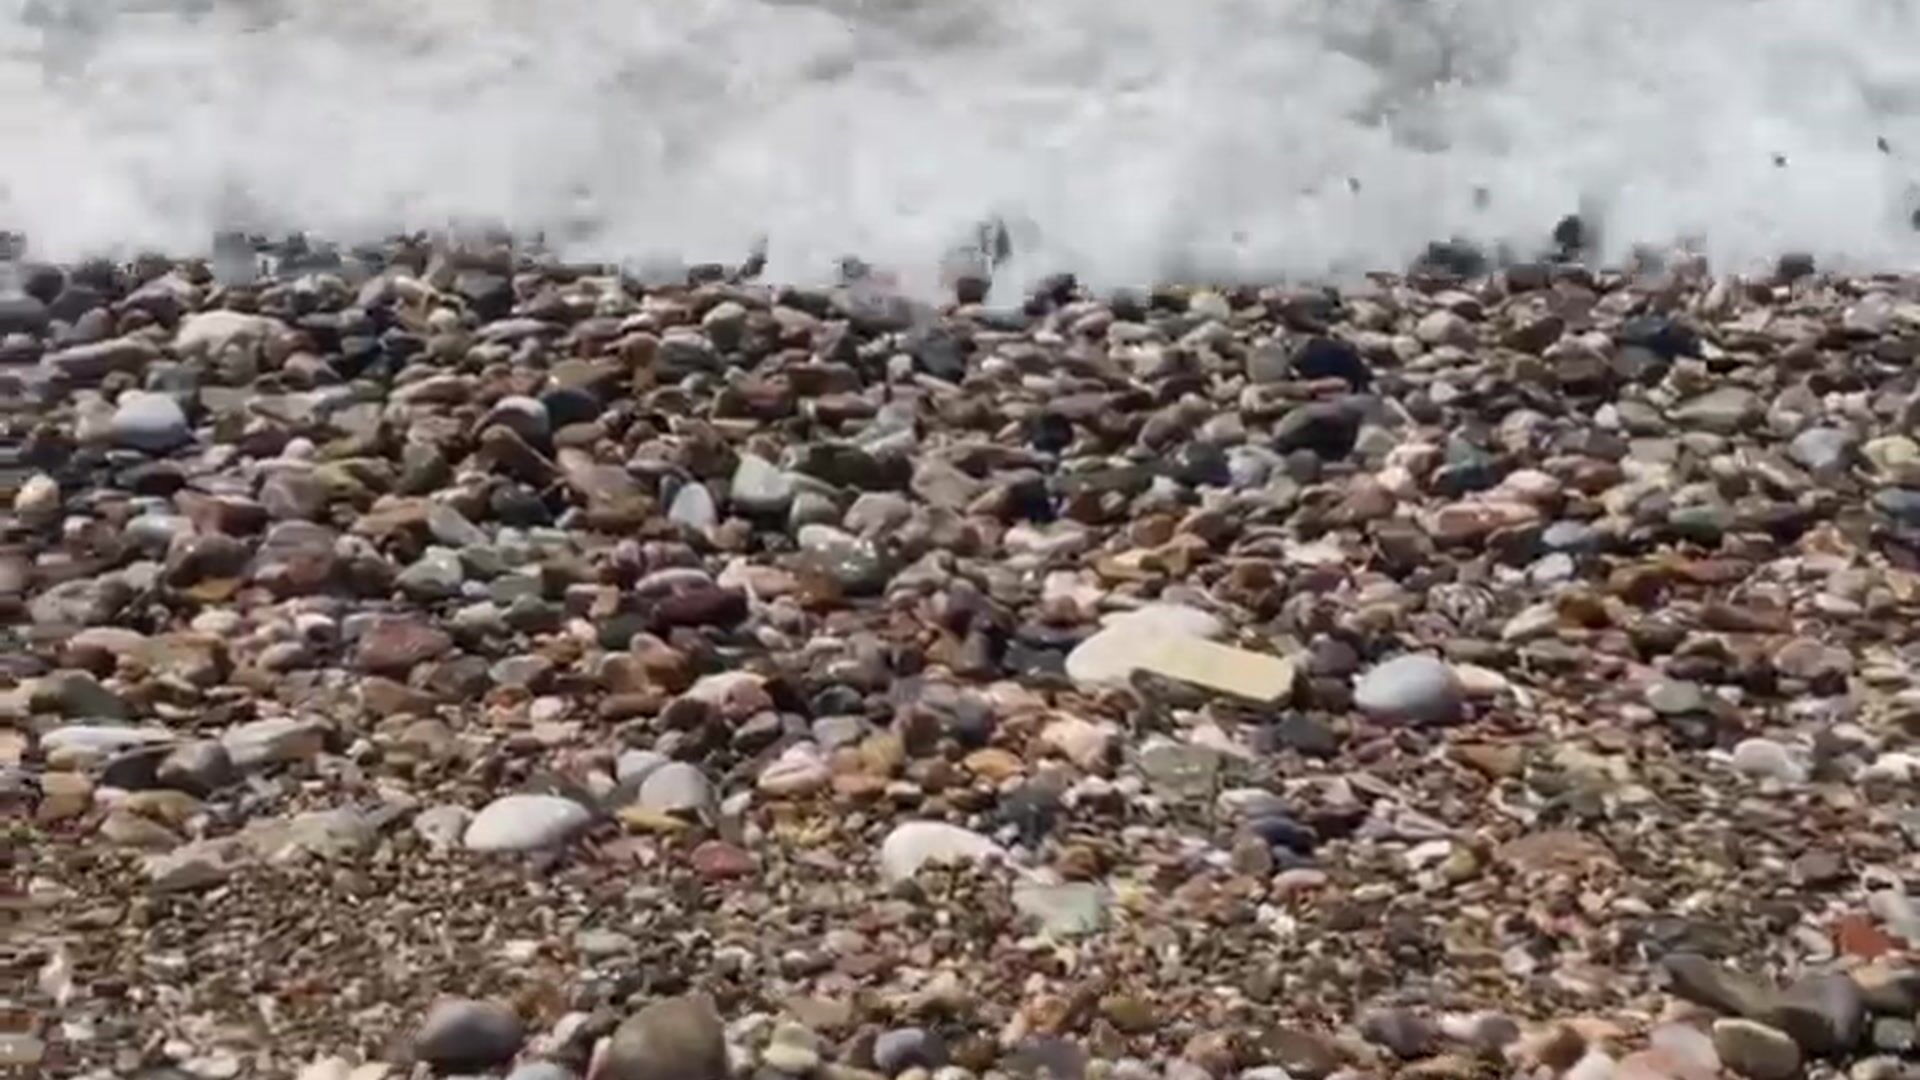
point(257, 745)
point(900, 1049)
point(1414, 688)
point(1888, 988)
point(63, 796)
point(676, 788)
point(19, 1050)
point(1894, 1035)
point(717, 860)
point(77, 694)
point(1822, 449)
point(1082, 742)
point(154, 423)
point(210, 333)
point(464, 1035)
point(451, 527)
point(758, 488)
point(1327, 429)
point(799, 770)
point(393, 644)
point(1724, 410)
point(915, 844)
point(693, 507)
point(525, 416)
point(789, 1058)
point(680, 1038)
point(1071, 909)
point(199, 767)
point(436, 575)
point(1754, 1050)
point(526, 823)
point(1688, 1050)
point(1179, 769)
point(1163, 645)
point(1764, 759)
point(1825, 1014)
point(1406, 1033)
point(99, 740)
point(634, 766)
point(1700, 980)
point(38, 500)
point(442, 826)
point(198, 865)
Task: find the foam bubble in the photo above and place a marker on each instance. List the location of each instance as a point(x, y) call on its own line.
point(1128, 140)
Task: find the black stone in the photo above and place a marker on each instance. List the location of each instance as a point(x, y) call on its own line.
point(1452, 258)
point(1049, 432)
point(1202, 464)
point(1793, 266)
point(22, 315)
point(570, 405)
point(1570, 234)
point(1284, 832)
point(1331, 358)
point(1032, 810)
point(74, 301)
point(488, 295)
point(1326, 428)
point(1307, 735)
point(1664, 337)
point(939, 354)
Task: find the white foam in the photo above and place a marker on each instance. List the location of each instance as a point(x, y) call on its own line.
point(1127, 139)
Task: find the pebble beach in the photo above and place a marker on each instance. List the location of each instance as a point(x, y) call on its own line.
point(434, 659)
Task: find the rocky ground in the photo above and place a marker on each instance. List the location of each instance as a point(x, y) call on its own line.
point(435, 661)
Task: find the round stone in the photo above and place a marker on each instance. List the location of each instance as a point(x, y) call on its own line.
point(526, 823)
point(676, 788)
point(1765, 759)
point(463, 1035)
point(154, 423)
point(900, 1049)
point(1415, 688)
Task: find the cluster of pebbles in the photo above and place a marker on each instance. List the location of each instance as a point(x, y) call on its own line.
point(442, 661)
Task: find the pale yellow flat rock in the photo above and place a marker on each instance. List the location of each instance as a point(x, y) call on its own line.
point(1243, 673)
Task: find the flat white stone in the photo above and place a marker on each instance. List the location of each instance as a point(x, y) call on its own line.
point(526, 823)
point(915, 844)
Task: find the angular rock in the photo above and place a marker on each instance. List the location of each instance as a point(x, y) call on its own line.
point(1825, 1014)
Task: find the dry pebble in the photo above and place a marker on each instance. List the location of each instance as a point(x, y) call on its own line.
point(1444, 672)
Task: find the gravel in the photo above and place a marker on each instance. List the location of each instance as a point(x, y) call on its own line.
point(1430, 677)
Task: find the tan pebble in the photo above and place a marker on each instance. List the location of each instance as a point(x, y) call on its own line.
point(329, 1068)
point(63, 795)
point(1480, 682)
point(168, 807)
point(994, 764)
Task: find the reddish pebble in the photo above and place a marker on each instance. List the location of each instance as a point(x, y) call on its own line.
point(1855, 935)
point(717, 860)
